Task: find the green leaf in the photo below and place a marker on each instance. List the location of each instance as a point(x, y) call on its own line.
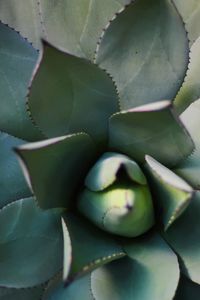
point(187, 290)
point(80, 23)
point(190, 90)
point(184, 238)
point(17, 59)
point(190, 167)
point(190, 12)
point(65, 89)
point(172, 194)
point(91, 247)
point(74, 26)
point(145, 49)
point(21, 294)
point(30, 243)
point(24, 17)
point(55, 168)
point(150, 273)
point(12, 183)
point(151, 129)
point(104, 173)
point(79, 289)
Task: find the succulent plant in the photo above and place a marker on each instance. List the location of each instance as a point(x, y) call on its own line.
point(100, 150)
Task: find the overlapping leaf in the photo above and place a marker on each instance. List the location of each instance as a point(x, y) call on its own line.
point(151, 129)
point(150, 273)
point(91, 247)
point(69, 94)
point(190, 12)
point(171, 194)
point(21, 294)
point(17, 60)
point(12, 183)
point(54, 168)
point(146, 51)
point(184, 239)
point(31, 244)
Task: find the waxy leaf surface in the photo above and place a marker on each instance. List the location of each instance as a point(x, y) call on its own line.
point(17, 60)
point(31, 244)
point(70, 94)
point(55, 168)
point(146, 51)
point(151, 129)
point(150, 273)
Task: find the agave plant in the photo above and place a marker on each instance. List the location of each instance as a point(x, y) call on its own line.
point(104, 127)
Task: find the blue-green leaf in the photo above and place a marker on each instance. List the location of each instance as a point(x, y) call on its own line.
point(171, 194)
point(21, 294)
point(17, 60)
point(65, 89)
point(91, 247)
point(12, 183)
point(54, 168)
point(150, 272)
point(30, 243)
point(146, 50)
point(184, 239)
point(151, 129)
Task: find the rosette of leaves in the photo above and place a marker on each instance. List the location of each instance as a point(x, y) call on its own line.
point(112, 207)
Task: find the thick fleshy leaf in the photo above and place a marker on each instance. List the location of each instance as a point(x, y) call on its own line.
point(54, 168)
point(78, 290)
point(190, 90)
point(74, 25)
point(31, 244)
point(91, 247)
point(65, 89)
point(24, 17)
point(190, 12)
point(155, 63)
point(104, 172)
point(184, 238)
point(12, 183)
point(171, 193)
point(190, 167)
point(150, 273)
point(80, 23)
point(21, 294)
point(187, 290)
point(17, 60)
point(151, 129)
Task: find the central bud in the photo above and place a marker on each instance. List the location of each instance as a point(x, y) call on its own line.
point(116, 196)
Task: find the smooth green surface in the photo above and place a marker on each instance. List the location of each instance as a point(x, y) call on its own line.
point(54, 168)
point(184, 239)
point(150, 273)
point(77, 290)
point(146, 51)
point(21, 294)
point(24, 17)
point(190, 90)
point(190, 12)
point(79, 26)
point(12, 183)
point(187, 290)
point(190, 167)
point(31, 244)
point(125, 210)
point(150, 129)
point(17, 60)
point(80, 22)
point(105, 171)
point(171, 194)
point(70, 94)
point(91, 247)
